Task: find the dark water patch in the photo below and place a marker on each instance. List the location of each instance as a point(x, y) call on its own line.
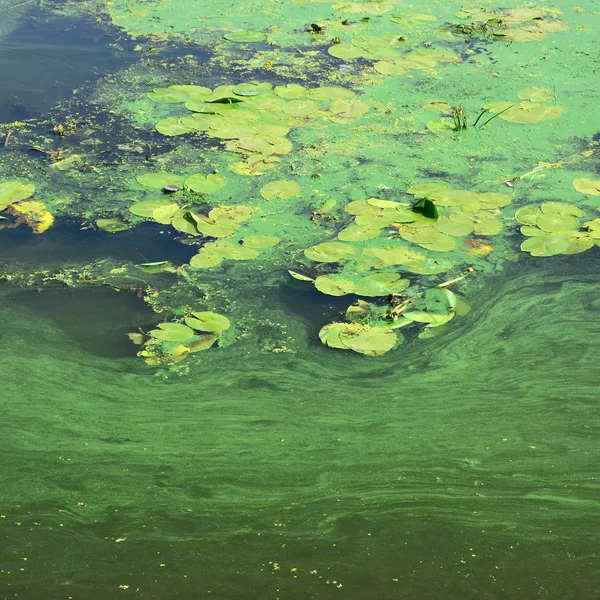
point(96, 319)
point(44, 61)
point(67, 244)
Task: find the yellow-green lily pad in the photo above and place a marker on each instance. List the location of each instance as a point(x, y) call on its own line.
point(329, 252)
point(208, 321)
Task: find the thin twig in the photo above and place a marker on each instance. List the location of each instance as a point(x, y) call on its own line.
point(6, 139)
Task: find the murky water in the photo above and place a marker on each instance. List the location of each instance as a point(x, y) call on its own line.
point(460, 467)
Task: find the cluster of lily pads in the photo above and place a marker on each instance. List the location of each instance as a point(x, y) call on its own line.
point(371, 329)
point(173, 341)
point(16, 199)
point(554, 227)
point(255, 118)
point(434, 221)
point(387, 52)
point(522, 24)
point(219, 222)
point(533, 108)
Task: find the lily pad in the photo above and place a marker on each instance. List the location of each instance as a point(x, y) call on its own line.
point(291, 91)
point(391, 68)
point(414, 19)
point(168, 95)
point(583, 185)
point(205, 184)
point(546, 245)
point(528, 215)
point(334, 285)
point(203, 342)
point(205, 260)
point(394, 255)
point(525, 112)
point(300, 108)
point(260, 241)
point(172, 126)
point(208, 321)
point(112, 225)
point(329, 252)
point(159, 180)
point(537, 94)
point(380, 284)
point(247, 36)
point(299, 276)
point(485, 223)
point(172, 332)
point(354, 233)
point(367, 340)
point(346, 51)
point(14, 191)
point(282, 189)
point(456, 224)
point(147, 208)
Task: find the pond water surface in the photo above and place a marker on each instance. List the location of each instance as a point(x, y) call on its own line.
point(460, 467)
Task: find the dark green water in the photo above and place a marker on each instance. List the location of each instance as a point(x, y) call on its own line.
point(463, 467)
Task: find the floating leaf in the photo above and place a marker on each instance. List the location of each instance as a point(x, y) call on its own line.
point(524, 112)
point(391, 68)
point(436, 106)
point(364, 339)
point(204, 342)
point(300, 108)
point(299, 276)
point(528, 215)
point(329, 252)
point(156, 267)
point(14, 191)
point(205, 260)
point(205, 184)
point(456, 224)
point(345, 51)
point(282, 189)
point(485, 223)
point(442, 126)
point(208, 321)
point(425, 190)
point(546, 245)
point(493, 200)
point(380, 284)
point(330, 335)
point(159, 180)
point(112, 225)
point(414, 19)
point(428, 238)
point(147, 208)
point(246, 36)
point(172, 332)
point(164, 214)
point(583, 185)
point(537, 94)
point(168, 95)
point(556, 222)
point(354, 233)
point(394, 255)
point(172, 126)
point(291, 91)
point(260, 241)
point(179, 353)
point(334, 285)
point(34, 213)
